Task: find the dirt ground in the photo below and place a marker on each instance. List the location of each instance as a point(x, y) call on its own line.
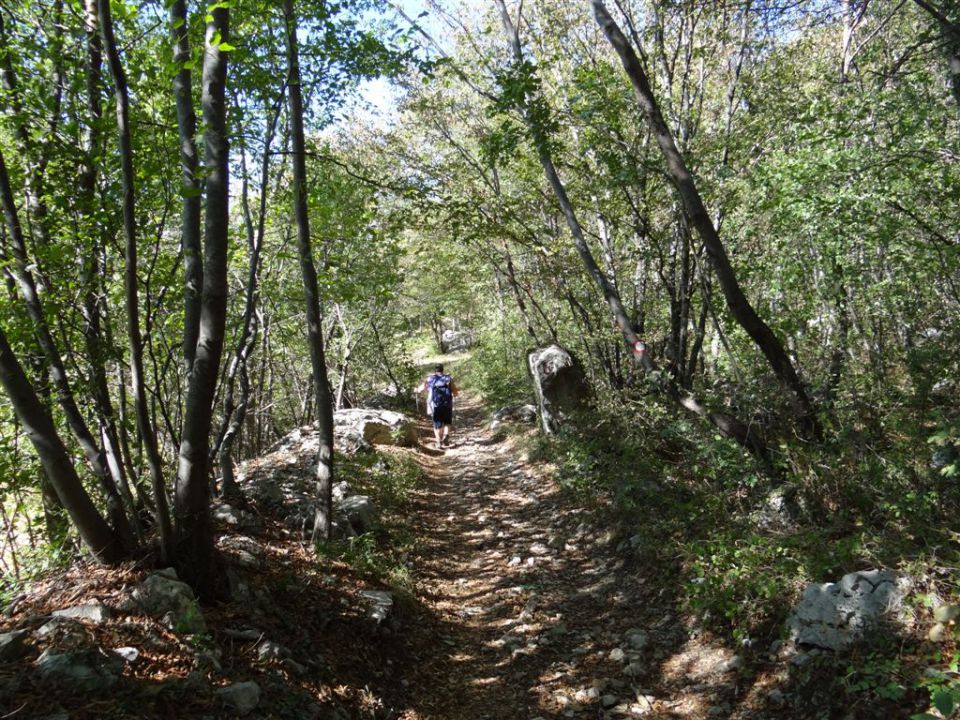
point(527, 610)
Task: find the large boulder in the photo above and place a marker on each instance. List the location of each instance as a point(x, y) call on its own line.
point(834, 616)
point(560, 385)
point(452, 341)
point(377, 427)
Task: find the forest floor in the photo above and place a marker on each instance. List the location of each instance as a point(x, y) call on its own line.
point(520, 604)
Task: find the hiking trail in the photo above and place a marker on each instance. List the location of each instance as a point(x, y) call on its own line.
point(527, 611)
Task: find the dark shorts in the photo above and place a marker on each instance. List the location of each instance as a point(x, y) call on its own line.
point(442, 416)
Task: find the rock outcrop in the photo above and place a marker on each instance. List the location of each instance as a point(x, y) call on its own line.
point(560, 385)
point(376, 427)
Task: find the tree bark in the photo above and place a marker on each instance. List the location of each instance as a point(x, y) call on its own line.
point(196, 557)
point(323, 520)
point(737, 302)
point(190, 182)
point(93, 529)
point(131, 281)
point(93, 270)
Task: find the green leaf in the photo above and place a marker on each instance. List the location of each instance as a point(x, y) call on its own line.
point(225, 47)
point(943, 701)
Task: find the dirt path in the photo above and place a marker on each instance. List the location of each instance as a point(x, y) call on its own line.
point(526, 611)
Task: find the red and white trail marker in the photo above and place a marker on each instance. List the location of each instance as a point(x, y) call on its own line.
point(639, 348)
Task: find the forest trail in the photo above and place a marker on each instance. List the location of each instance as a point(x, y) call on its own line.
point(528, 611)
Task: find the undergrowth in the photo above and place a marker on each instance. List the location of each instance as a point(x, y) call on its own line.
point(381, 553)
point(737, 545)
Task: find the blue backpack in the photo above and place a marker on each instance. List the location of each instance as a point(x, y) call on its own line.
point(441, 396)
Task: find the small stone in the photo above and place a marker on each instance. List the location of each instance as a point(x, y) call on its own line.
point(128, 654)
point(734, 663)
point(776, 697)
point(94, 612)
point(514, 561)
point(633, 670)
point(226, 514)
point(716, 711)
point(241, 697)
point(269, 650)
point(587, 696)
point(946, 613)
point(209, 661)
point(617, 655)
point(295, 667)
point(380, 604)
point(937, 633)
point(637, 639)
point(608, 701)
point(12, 646)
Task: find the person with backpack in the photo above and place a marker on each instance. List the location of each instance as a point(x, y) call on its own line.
point(440, 390)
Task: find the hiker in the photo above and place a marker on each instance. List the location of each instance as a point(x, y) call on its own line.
point(440, 390)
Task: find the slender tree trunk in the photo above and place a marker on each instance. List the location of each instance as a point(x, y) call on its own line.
point(196, 557)
point(93, 271)
point(383, 355)
point(321, 388)
point(190, 181)
point(131, 281)
point(737, 302)
point(96, 534)
point(235, 411)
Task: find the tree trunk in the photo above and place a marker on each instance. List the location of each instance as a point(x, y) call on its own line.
point(190, 182)
point(131, 281)
point(93, 529)
point(93, 271)
point(323, 520)
point(737, 302)
point(196, 557)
